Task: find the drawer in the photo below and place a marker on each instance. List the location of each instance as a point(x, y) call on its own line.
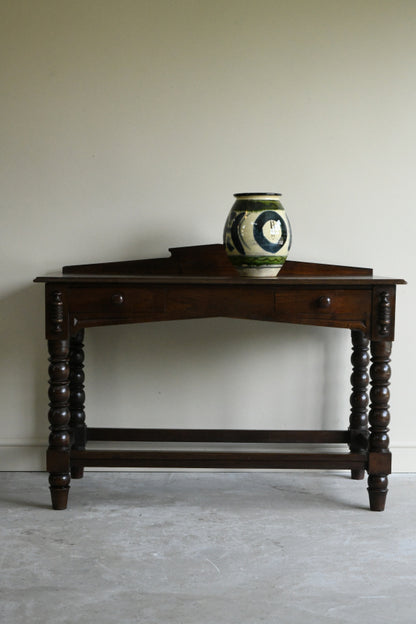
point(114, 302)
point(326, 306)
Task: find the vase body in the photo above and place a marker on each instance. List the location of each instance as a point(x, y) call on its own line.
point(257, 234)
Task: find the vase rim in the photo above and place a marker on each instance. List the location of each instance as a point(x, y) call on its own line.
point(257, 194)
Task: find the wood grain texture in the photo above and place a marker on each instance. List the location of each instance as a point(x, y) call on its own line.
point(205, 260)
point(379, 419)
point(359, 397)
point(199, 282)
point(58, 454)
point(77, 397)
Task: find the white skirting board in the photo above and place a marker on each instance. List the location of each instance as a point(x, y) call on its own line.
point(30, 456)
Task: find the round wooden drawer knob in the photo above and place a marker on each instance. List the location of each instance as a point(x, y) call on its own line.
point(117, 299)
point(324, 302)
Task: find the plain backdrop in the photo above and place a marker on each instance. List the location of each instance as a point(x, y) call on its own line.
point(127, 126)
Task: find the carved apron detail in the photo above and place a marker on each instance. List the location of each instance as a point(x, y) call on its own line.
point(384, 314)
point(57, 312)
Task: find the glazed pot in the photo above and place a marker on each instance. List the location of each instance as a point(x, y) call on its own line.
point(257, 234)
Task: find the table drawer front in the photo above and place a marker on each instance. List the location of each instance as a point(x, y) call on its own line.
point(334, 307)
point(116, 302)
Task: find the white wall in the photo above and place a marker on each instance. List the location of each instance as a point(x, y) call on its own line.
point(127, 126)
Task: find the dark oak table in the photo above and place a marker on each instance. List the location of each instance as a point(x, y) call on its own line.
point(199, 282)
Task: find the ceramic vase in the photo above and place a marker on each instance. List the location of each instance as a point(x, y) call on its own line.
point(257, 234)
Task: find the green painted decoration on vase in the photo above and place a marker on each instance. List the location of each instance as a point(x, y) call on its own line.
point(257, 234)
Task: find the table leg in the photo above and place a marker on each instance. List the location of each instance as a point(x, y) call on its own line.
point(77, 398)
point(379, 417)
point(359, 398)
point(58, 455)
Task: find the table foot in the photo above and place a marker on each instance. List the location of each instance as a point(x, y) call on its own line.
point(377, 492)
point(77, 472)
point(59, 487)
point(358, 474)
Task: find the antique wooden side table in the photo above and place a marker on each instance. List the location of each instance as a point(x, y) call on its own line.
point(199, 282)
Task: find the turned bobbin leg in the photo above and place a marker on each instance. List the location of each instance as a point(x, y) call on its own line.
point(379, 465)
point(77, 398)
point(359, 398)
point(58, 454)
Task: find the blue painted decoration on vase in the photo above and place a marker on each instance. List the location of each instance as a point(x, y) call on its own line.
point(257, 234)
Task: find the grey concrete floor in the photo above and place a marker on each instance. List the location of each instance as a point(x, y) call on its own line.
point(205, 548)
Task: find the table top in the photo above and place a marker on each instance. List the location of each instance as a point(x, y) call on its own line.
point(216, 280)
point(209, 265)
